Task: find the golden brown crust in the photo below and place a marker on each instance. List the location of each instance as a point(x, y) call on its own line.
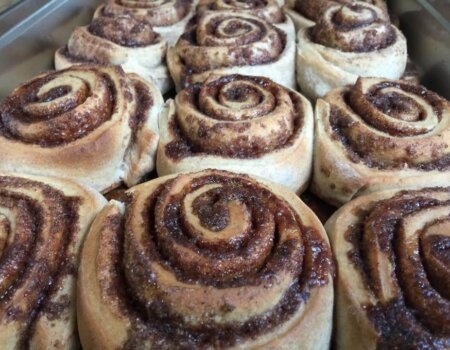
point(379, 134)
point(42, 225)
point(190, 252)
point(84, 122)
point(392, 287)
point(229, 42)
point(268, 130)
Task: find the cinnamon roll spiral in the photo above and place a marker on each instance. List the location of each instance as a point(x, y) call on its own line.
point(305, 13)
point(379, 134)
point(42, 225)
point(239, 123)
point(119, 40)
point(206, 260)
point(167, 17)
point(347, 42)
point(269, 10)
point(90, 123)
point(394, 270)
point(229, 42)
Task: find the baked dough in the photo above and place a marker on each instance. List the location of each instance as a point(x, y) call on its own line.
point(209, 259)
point(379, 134)
point(91, 123)
point(239, 123)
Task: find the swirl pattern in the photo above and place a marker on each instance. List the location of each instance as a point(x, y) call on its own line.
point(63, 122)
point(230, 263)
point(349, 41)
point(42, 225)
point(49, 110)
point(238, 123)
point(354, 28)
point(392, 253)
point(119, 40)
point(305, 13)
point(379, 128)
point(167, 17)
point(230, 42)
point(269, 10)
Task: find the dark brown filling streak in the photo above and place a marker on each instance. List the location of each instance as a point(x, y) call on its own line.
point(11, 108)
point(340, 122)
point(398, 324)
point(155, 321)
point(144, 101)
point(67, 212)
point(181, 147)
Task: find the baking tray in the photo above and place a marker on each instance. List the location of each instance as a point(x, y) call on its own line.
point(32, 30)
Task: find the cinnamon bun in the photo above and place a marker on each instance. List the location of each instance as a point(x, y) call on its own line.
point(305, 13)
point(347, 42)
point(167, 17)
point(242, 124)
point(379, 134)
point(392, 249)
point(230, 42)
point(91, 123)
point(206, 260)
point(42, 225)
point(119, 40)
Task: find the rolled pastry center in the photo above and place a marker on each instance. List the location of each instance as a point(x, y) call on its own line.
point(393, 124)
point(355, 27)
point(59, 107)
point(249, 113)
